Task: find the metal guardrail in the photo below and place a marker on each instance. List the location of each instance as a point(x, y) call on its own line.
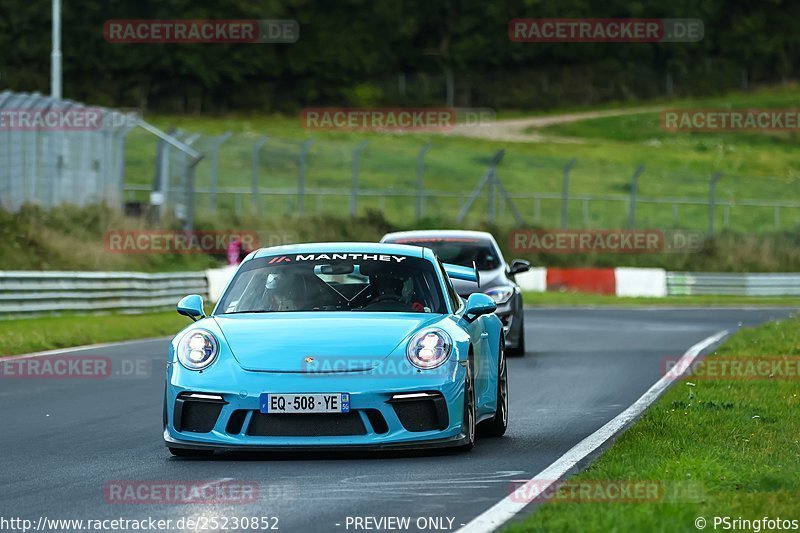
point(688, 283)
point(30, 293)
point(25, 292)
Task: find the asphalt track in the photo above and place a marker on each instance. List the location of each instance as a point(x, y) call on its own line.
point(63, 440)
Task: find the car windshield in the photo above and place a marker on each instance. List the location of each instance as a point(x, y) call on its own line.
point(334, 282)
point(458, 250)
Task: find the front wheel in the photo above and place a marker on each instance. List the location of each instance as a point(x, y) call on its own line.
point(468, 425)
point(497, 425)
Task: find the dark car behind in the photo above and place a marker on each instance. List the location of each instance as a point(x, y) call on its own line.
point(496, 276)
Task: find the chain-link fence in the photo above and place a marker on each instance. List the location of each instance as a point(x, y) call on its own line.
point(57, 151)
point(261, 175)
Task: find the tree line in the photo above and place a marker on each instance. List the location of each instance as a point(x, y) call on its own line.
point(395, 52)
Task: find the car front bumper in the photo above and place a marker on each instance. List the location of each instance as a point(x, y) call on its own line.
point(389, 409)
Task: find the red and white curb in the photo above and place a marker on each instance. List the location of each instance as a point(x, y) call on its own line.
point(612, 281)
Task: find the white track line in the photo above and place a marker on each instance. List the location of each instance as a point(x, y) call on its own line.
point(506, 508)
point(78, 348)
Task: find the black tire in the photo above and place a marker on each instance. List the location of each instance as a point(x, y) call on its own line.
point(519, 349)
point(468, 424)
point(183, 452)
point(497, 425)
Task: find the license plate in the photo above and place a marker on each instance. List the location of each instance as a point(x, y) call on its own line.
point(305, 403)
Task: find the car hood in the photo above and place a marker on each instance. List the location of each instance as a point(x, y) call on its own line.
point(489, 279)
point(337, 341)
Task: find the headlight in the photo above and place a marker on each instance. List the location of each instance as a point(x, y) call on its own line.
point(500, 295)
point(197, 349)
point(429, 348)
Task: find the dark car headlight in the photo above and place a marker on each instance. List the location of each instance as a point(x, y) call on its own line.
point(500, 295)
point(197, 349)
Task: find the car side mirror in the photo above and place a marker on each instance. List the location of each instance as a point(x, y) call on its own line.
point(191, 306)
point(518, 266)
point(479, 304)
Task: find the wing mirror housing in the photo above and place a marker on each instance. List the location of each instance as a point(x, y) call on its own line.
point(479, 304)
point(518, 266)
point(192, 306)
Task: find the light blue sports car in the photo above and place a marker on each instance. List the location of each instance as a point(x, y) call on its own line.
point(341, 345)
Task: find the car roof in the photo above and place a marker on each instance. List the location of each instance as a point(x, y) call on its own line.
point(439, 233)
point(341, 247)
point(446, 234)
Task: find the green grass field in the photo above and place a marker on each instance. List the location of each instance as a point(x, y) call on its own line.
point(735, 440)
point(756, 166)
point(49, 333)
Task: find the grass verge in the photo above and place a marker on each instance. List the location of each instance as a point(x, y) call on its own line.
point(737, 439)
point(536, 299)
point(49, 333)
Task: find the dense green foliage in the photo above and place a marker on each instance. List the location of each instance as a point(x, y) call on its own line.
point(353, 52)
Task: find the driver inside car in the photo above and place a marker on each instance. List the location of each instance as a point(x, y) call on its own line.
point(390, 289)
point(286, 292)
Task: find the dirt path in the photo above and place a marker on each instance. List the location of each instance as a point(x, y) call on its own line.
point(514, 129)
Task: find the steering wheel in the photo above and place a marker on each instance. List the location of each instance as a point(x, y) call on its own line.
point(387, 303)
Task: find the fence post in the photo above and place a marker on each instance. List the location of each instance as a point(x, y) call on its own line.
point(301, 181)
point(260, 142)
point(489, 176)
point(188, 222)
point(216, 142)
point(354, 194)
point(420, 169)
point(507, 199)
point(120, 164)
point(161, 181)
point(634, 191)
point(188, 185)
point(184, 148)
point(565, 194)
point(490, 194)
point(712, 187)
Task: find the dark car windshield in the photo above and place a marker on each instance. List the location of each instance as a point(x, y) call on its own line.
point(458, 250)
point(334, 282)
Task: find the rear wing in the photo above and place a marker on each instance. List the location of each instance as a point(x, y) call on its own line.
point(463, 273)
